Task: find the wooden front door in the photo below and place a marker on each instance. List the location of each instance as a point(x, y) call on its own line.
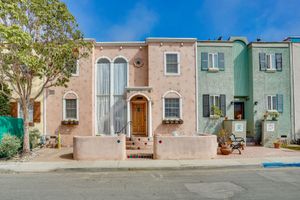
point(139, 121)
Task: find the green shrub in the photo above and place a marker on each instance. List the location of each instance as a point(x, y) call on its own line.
point(9, 146)
point(34, 138)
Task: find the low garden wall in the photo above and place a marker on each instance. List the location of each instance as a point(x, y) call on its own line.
point(99, 147)
point(185, 147)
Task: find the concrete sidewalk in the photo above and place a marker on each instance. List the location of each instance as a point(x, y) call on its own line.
point(93, 166)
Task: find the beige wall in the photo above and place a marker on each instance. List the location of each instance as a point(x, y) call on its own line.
point(296, 66)
point(184, 84)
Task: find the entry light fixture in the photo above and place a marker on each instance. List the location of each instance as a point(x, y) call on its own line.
point(232, 102)
point(255, 102)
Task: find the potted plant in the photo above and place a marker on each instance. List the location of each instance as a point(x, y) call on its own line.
point(223, 141)
point(274, 115)
point(217, 112)
point(277, 143)
point(266, 115)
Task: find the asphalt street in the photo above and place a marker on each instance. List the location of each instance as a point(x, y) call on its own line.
point(142, 185)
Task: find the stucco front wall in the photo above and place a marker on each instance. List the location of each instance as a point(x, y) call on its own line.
point(264, 84)
point(82, 85)
point(296, 66)
point(215, 83)
point(184, 84)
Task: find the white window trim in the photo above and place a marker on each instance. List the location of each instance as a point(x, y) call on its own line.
point(271, 110)
point(165, 63)
point(214, 66)
point(77, 69)
point(214, 103)
point(180, 104)
point(64, 106)
point(19, 116)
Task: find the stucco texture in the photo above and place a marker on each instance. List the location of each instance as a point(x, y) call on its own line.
point(264, 84)
point(296, 67)
point(184, 84)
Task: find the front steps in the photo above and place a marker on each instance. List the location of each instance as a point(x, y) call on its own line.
point(139, 147)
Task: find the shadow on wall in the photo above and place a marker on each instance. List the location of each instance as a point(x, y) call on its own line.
point(213, 126)
point(169, 128)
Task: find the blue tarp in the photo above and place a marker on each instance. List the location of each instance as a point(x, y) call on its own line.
point(280, 164)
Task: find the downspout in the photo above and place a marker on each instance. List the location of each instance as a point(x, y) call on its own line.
point(196, 68)
point(293, 135)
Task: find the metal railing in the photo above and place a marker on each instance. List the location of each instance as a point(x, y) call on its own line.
point(124, 128)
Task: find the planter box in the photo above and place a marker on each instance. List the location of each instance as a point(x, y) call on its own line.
point(172, 121)
point(71, 122)
point(99, 147)
point(185, 147)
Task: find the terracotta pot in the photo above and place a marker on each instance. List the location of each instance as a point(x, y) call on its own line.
point(276, 145)
point(225, 150)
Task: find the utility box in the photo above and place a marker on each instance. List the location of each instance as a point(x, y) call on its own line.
point(237, 127)
point(269, 133)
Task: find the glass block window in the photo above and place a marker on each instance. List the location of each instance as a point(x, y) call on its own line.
point(172, 108)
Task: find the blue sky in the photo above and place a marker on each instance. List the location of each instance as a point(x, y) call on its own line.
point(123, 20)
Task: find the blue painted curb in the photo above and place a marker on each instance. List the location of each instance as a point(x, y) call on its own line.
point(279, 164)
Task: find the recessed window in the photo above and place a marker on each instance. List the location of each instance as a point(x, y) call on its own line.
point(172, 64)
point(272, 102)
point(214, 102)
point(71, 108)
point(172, 108)
point(271, 62)
point(213, 60)
point(75, 68)
point(30, 112)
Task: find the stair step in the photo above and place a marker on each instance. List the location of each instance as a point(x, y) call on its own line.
point(140, 139)
point(139, 147)
point(139, 143)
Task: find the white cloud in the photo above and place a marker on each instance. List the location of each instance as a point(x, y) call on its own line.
point(139, 22)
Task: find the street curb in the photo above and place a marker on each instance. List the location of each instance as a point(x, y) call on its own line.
point(116, 169)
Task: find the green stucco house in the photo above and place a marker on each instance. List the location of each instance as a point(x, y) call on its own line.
point(244, 80)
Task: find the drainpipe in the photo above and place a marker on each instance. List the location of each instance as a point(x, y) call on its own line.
point(293, 135)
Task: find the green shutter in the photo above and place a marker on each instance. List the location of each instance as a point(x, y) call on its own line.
point(223, 104)
point(221, 61)
point(262, 62)
point(279, 103)
point(278, 57)
point(206, 107)
point(204, 61)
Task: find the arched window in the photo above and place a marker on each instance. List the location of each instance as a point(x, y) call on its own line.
point(120, 83)
point(103, 96)
point(172, 105)
point(70, 106)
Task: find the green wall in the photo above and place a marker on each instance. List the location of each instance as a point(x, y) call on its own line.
point(264, 83)
point(215, 83)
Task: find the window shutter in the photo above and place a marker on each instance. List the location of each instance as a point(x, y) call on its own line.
point(223, 104)
point(278, 57)
point(204, 61)
point(279, 103)
point(262, 62)
point(37, 112)
point(14, 109)
point(206, 109)
point(221, 61)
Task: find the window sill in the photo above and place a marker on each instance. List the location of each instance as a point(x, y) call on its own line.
point(70, 122)
point(271, 70)
point(170, 74)
point(213, 70)
point(74, 75)
point(172, 121)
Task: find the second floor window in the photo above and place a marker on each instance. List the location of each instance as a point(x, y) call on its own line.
point(270, 61)
point(212, 61)
point(172, 66)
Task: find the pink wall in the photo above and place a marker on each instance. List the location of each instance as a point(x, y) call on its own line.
point(82, 85)
point(151, 74)
point(184, 84)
